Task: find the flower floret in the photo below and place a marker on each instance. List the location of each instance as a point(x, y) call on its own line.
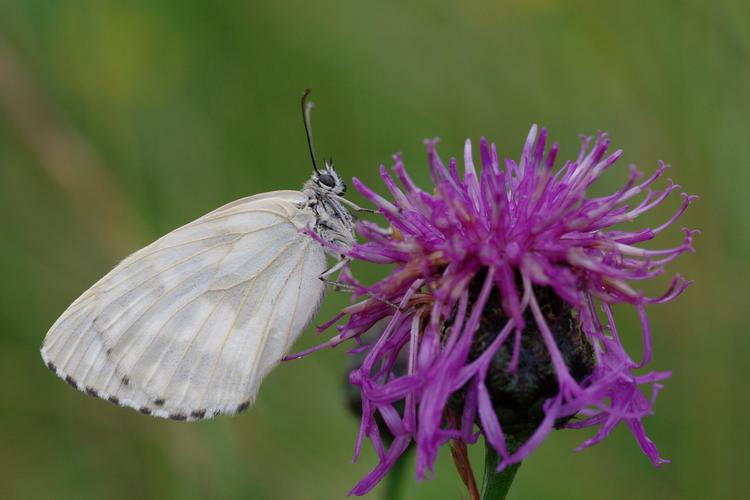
point(519, 255)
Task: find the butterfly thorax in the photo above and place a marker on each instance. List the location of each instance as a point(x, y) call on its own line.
point(333, 222)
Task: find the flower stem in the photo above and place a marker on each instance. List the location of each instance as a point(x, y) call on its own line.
point(495, 485)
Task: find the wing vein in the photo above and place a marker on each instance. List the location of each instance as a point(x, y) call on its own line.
point(158, 332)
point(263, 344)
point(166, 294)
point(236, 317)
point(222, 215)
point(112, 287)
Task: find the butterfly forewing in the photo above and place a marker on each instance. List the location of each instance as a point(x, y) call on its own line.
point(188, 326)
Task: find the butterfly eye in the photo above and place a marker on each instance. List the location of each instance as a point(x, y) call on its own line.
point(327, 180)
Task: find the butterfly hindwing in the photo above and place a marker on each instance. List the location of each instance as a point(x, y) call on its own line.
point(188, 326)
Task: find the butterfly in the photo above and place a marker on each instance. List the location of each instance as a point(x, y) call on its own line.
point(187, 327)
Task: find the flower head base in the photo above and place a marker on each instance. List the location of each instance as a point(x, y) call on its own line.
point(507, 239)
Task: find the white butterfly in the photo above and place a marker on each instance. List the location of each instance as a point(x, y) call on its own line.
point(187, 327)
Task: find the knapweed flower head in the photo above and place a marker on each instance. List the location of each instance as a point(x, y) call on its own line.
point(499, 304)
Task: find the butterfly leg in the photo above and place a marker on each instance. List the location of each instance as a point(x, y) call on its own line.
point(337, 285)
point(353, 205)
point(336, 267)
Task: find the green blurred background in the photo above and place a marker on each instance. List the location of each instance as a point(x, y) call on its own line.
point(122, 120)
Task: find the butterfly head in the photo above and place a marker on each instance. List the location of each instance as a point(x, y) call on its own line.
point(329, 180)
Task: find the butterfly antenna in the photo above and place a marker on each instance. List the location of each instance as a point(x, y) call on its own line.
point(306, 108)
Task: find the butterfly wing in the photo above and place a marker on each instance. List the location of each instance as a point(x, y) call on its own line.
point(187, 327)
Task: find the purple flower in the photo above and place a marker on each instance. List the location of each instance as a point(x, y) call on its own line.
point(494, 275)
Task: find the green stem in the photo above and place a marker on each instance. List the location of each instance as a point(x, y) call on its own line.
point(495, 485)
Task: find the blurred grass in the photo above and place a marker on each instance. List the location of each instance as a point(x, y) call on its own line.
point(122, 120)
